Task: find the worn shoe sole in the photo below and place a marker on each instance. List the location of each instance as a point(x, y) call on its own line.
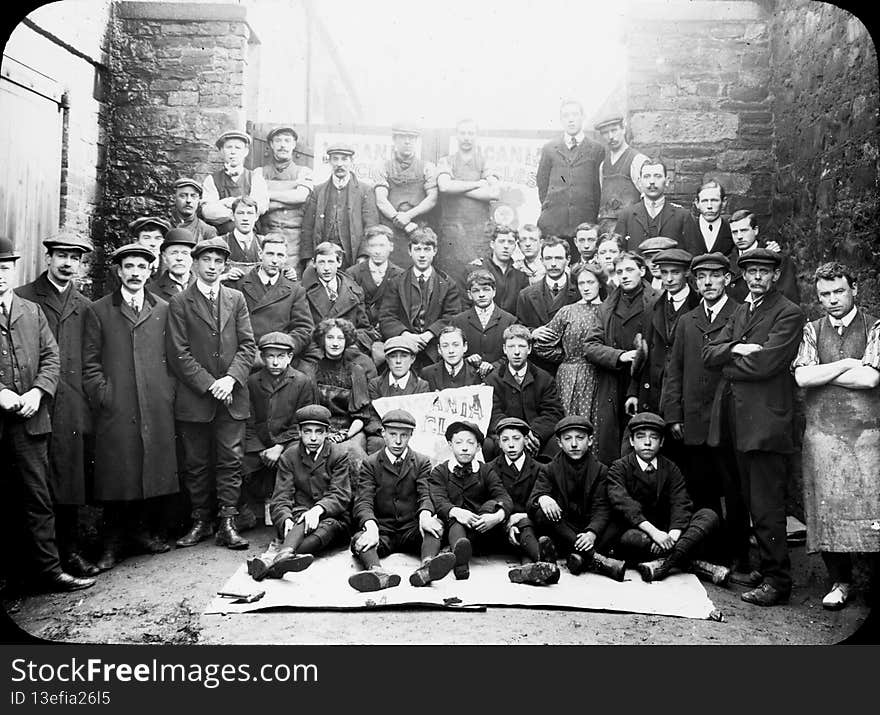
point(646, 570)
point(547, 549)
point(462, 573)
point(257, 568)
point(462, 551)
point(576, 565)
point(292, 564)
point(366, 581)
point(540, 573)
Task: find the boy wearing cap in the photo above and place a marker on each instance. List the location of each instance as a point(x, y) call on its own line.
point(340, 209)
point(569, 502)
point(276, 392)
point(452, 370)
point(55, 291)
point(484, 323)
point(127, 381)
point(649, 248)
point(469, 497)
point(396, 381)
point(150, 231)
point(185, 214)
point(753, 408)
point(224, 186)
point(518, 472)
point(653, 511)
point(211, 347)
point(290, 186)
point(394, 511)
point(176, 255)
point(311, 500)
point(712, 234)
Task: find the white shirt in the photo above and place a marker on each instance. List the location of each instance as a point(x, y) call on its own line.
point(750, 248)
point(559, 283)
point(485, 314)
point(259, 191)
point(716, 309)
point(845, 320)
point(518, 463)
point(6, 299)
point(401, 382)
point(454, 371)
point(60, 288)
point(136, 298)
point(206, 289)
point(518, 375)
point(579, 136)
point(378, 272)
point(427, 273)
point(341, 183)
point(317, 452)
point(331, 286)
point(635, 168)
point(266, 279)
point(452, 464)
point(752, 301)
point(654, 207)
point(679, 298)
point(393, 459)
point(644, 465)
point(710, 231)
point(244, 240)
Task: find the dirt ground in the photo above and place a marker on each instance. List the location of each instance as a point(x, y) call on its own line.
point(160, 599)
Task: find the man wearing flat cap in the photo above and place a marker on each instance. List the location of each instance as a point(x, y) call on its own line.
point(185, 214)
point(340, 210)
point(150, 231)
point(744, 230)
point(131, 390)
point(649, 248)
point(56, 292)
point(619, 170)
point(29, 368)
point(753, 408)
point(406, 189)
point(290, 187)
point(394, 512)
point(175, 253)
point(220, 189)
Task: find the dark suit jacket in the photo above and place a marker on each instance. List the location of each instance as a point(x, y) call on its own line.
point(635, 497)
point(485, 342)
point(165, 287)
point(283, 307)
point(273, 406)
point(438, 378)
point(568, 186)
point(36, 352)
point(536, 305)
point(393, 496)
point(507, 285)
point(518, 486)
point(374, 294)
point(696, 246)
point(689, 386)
point(594, 508)
point(362, 213)
point(301, 483)
point(481, 492)
point(199, 353)
point(787, 283)
point(762, 384)
point(379, 387)
point(349, 304)
point(674, 222)
point(535, 401)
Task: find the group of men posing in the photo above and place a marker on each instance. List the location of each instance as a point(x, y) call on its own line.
point(187, 367)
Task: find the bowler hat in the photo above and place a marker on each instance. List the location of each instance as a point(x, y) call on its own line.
point(186, 181)
point(573, 422)
point(283, 129)
point(211, 244)
point(406, 127)
point(178, 237)
point(646, 419)
point(139, 224)
point(399, 418)
point(313, 415)
point(397, 344)
point(656, 244)
point(512, 423)
point(68, 241)
point(607, 121)
point(132, 249)
point(673, 256)
point(234, 134)
point(6, 250)
point(760, 255)
point(464, 426)
point(711, 261)
point(276, 339)
point(340, 148)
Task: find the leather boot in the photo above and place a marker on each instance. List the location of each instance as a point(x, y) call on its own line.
point(540, 573)
point(719, 575)
point(463, 552)
point(701, 524)
point(149, 543)
point(612, 568)
point(287, 561)
point(75, 563)
point(110, 556)
point(228, 536)
point(547, 549)
point(373, 580)
point(648, 569)
point(200, 531)
point(257, 568)
point(433, 569)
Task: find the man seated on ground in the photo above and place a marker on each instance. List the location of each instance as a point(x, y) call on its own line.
point(652, 508)
point(483, 323)
point(312, 497)
point(398, 380)
point(518, 471)
point(452, 370)
point(569, 502)
point(469, 497)
point(394, 511)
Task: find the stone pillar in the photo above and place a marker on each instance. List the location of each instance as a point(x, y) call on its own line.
point(697, 90)
point(178, 76)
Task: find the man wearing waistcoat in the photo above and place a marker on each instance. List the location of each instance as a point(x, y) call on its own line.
point(619, 170)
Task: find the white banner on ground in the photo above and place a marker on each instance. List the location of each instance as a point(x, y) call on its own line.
point(435, 411)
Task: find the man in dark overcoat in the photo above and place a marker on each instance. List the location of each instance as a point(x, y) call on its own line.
point(126, 377)
point(176, 257)
point(753, 407)
point(56, 292)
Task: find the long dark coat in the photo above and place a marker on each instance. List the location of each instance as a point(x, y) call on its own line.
point(374, 294)
point(535, 401)
point(126, 376)
point(568, 186)
point(673, 222)
point(302, 482)
point(518, 486)
point(165, 286)
point(485, 342)
point(787, 283)
point(480, 491)
point(273, 406)
point(594, 507)
point(71, 416)
point(393, 496)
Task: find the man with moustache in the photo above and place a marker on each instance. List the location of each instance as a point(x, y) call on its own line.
point(175, 255)
point(744, 231)
point(187, 196)
point(619, 170)
point(290, 187)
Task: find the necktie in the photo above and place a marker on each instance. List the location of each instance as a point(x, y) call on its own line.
point(709, 314)
point(332, 294)
point(649, 469)
point(574, 144)
point(711, 228)
point(134, 307)
point(422, 282)
point(212, 297)
point(458, 471)
point(838, 325)
point(518, 376)
point(555, 289)
point(3, 313)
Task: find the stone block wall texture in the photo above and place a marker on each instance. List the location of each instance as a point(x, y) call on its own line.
point(824, 83)
point(177, 81)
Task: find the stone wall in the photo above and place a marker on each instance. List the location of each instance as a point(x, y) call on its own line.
point(698, 96)
point(178, 78)
point(825, 100)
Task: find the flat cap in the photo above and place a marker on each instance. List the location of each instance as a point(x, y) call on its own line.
point(234, 134)
point(674, 256)
point(313, 415)
point(760, 255)
point(657, 244)
point(396, 344)
point(7, 253)
point(646, 419)
point(69, 241)
point(132, 249)
point(139, 224)
point(405, 126)
point(573, 422)
point(399, 418)
point(211, 244)
point(283, 129)
point(186, 181)
point(276, 339)
point(178, 237)
point(607, 121)
point(712, 261)
point(512, 423)
point(464, 426)
point(340, 148)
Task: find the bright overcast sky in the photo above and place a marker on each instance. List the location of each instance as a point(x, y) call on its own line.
point(508, 64)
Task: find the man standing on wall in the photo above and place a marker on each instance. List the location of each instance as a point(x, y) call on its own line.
point(619, 170)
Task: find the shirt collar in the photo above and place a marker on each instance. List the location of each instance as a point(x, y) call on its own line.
point(266, 279)
point(6, 299)
point(749, 249)
point(428, 272)
point(656, 204)
point(334, 284)
point(518, 373)
point(128, 296)
point(402, 382)
point(205, 289)
point(243, 238)
point(558, 282)
point(716, 224)
point(517, 463)
point(60, 288)
point(341, 183)
point(579, 136)
point(317, 453)
point(681, 296)
point(380, 269)
point(846, 319)
point(395, 460)
point(452, 464)
point(644, 465)
point(716, 309)
point(750, 298)
point(456, 370)
point(486, 312)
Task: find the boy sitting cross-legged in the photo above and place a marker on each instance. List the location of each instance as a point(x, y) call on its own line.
point(649, 499)
point(394, 511)
point(570, 502)
point(469, 497)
